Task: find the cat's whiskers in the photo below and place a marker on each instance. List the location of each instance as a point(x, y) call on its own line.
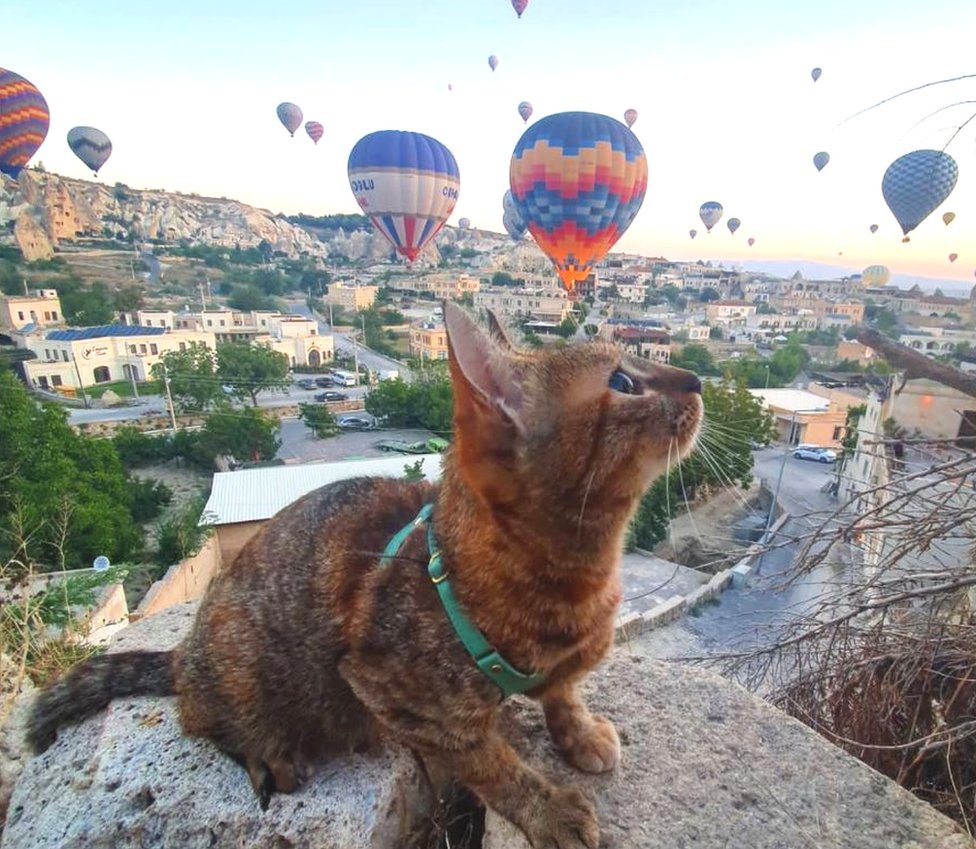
point(667, 493)
point(705, 449)
point(691, 516)
point(586, 494)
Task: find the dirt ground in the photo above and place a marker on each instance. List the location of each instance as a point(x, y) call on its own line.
point(708, 538)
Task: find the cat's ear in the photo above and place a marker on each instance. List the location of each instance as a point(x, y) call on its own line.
point(484, 379)
point(498, 332)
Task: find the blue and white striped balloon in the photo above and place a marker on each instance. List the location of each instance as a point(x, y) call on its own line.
point(407, 184)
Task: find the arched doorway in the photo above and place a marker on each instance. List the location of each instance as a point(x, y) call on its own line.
point(314, 358)
point(102, 375)
point(130, 372)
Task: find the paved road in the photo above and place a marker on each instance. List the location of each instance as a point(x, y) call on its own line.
point(754, 614)
point(299, 444)
point(345, 345)
point(156, 404)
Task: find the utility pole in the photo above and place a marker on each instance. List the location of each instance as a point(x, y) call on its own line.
point(132, 374)
point(203, 303)
point(169, 398)
point(81, 386)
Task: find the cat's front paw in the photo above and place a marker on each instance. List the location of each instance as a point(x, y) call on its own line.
point(566, 820)
point(592, 746)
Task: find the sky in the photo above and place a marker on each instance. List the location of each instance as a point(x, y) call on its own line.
point(727, 109)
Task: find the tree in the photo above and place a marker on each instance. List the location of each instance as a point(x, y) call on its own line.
point(696, 358)
point(414, 471)
point(426, 402)
point(70, 490)
point(193, 379)
point(244, 434)
point(502, 278)
point(722, 458)
point(250, 297)
point(250, 369)
point(709, 294)
point(319, 419)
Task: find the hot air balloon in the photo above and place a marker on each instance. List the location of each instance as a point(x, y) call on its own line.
point(24, 119)
point(91, 146)
point(751, 241)
point(464, 223)
point(291, 116)
point(875, 275)
point(821, 159)
point(815, 73)
point(630, 116)
point(692, 233)
point(450, 87)
point(873, 228)
point(578, 179)
point(407, 184)
point(493, 62)
point(525, 110)
point(514, 226)
point(520, 6)
point(948, 218)
point(710, 214)
point(953, 257)
point(315, 130)
point(916, 183)
point(733, 225)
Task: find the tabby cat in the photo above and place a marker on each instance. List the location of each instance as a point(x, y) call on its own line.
point(312, 642)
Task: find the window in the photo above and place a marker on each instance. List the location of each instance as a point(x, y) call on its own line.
point(837, 433)
point(42, 379)
point(222, 322)
point(101, 374)
point(54, 315)
point(47, 315)
point(20, 314)
point(153, 348)
point(64, 356)
point(56, 379)
point(182, 346)
point(148, 322)
point(209, 322)
point(132, 349)
point(47, 354)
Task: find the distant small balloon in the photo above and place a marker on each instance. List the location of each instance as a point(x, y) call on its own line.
point(692, 233)
point(90, 145)
point(751, 241)
point(733, 225)
point(315, 130)
point(710, 213)
point(953, 257)
point(874, 228)
point(821, 159)
point(630, 116)
point(525, 110)
point(464, 223)
point(815, 73)
point(875, 275)
point(520, 6)
point(290, 115)
point(450, 87)
point(493, 62)
point(948, 218)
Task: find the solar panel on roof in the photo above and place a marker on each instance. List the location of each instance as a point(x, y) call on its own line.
point(79, 333)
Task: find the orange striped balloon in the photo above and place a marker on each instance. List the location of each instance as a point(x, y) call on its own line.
point(24, 121)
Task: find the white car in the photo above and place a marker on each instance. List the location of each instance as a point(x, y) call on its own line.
point(815, 453)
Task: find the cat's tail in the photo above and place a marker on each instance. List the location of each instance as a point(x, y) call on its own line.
point(91, 685)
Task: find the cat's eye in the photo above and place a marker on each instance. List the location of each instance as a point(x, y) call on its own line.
point(620, 382)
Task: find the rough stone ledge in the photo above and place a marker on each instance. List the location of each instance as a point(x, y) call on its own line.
point(707, 765)
point(129, 778)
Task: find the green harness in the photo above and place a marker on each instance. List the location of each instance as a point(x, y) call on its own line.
point(486, 657)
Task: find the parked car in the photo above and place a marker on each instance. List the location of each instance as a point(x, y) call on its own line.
point(815, 453)
point(325, 382)
point(305, 383)
point(436, 445)
point(331, 396)
point(356, 423)
point(402, 446)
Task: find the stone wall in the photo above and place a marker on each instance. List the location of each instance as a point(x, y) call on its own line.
point(183, 582)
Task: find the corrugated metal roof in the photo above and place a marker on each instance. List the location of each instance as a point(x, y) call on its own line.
point(792, 400)
point(78, 333)
point(251, 495)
